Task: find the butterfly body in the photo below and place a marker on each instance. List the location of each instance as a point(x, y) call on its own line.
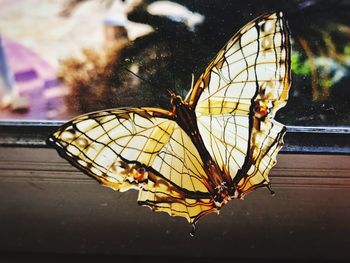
point(219, 184)
point(217, 144)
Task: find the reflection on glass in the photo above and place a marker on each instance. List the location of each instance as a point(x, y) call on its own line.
point(91, 55)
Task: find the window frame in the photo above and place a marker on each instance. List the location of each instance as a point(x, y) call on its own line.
point(298, 139)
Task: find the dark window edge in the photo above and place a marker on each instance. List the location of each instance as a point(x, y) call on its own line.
point(298, 139)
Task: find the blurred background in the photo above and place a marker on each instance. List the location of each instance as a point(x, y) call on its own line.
point(60, 58)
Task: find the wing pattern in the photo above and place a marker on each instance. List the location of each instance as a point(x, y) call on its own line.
point(226, 138)
point(232, 107)
point(161, 195)
point(237, 97)
point(138, 149)
point(266, 141)
point(252, 69)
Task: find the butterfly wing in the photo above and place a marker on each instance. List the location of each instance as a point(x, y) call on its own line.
point(162, 195)
point(234, 101)
point(255, 60)
point(237, 96)
point(139, 148)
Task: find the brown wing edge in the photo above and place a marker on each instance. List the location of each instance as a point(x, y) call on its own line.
point(174, 200)
point(243, 183)
point(287, 78)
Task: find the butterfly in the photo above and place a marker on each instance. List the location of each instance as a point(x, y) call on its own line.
point(217, 144)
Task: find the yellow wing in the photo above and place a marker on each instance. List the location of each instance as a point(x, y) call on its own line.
point(237, 96)
point(265, 142)
point(234, 102)
point(139, 148)
point(161, 195)
point(253, 68)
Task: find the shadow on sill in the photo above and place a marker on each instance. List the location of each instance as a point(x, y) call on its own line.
point(86, 258)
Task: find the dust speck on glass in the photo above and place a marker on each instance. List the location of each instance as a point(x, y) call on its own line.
point(93, 55)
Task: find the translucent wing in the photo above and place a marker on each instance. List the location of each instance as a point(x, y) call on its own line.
point(141, 149)
point(265, 142)
point(234, 102)
point(254, 66)
point(161, 195)
point(237, 97)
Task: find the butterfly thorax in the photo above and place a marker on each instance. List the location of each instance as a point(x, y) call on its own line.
point(220, 184)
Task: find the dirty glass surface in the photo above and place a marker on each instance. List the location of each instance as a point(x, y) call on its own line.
point(59, 59)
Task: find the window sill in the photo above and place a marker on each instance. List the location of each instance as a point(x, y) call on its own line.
point(49, 206)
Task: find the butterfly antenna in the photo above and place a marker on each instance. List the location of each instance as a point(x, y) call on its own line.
point(171, 93)
point(191, 88)
point(141, 78)
point(192, 81)
point(172, 64)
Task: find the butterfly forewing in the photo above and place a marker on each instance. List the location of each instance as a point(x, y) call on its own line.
point(112, 146)
point(254, 65)
point(142, 149)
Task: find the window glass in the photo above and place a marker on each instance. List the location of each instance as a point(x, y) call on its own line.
point(63, 58)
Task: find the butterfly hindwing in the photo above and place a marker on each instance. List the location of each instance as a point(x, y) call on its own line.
point(266, 141)
point(161, 195)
